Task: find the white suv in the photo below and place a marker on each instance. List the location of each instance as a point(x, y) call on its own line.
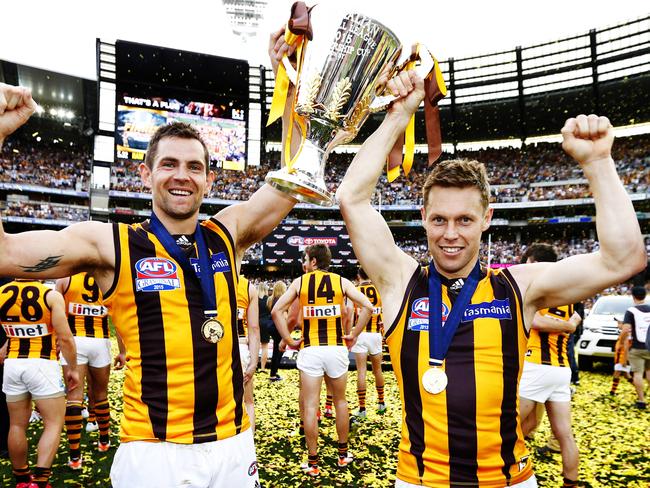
point(600, 330)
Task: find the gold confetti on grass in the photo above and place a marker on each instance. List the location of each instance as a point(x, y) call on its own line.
point(612, 438)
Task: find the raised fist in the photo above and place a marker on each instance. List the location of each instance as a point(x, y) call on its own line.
point(588, 138)
point(16, 106)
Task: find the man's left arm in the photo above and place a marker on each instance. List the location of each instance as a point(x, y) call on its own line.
point(253, 321)
point(622, 254)
point(251, 221)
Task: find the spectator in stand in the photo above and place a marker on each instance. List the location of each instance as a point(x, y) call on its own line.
point(48, 165)
point(46, 211)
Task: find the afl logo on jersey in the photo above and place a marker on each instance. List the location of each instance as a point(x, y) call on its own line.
point(156, 274)
point(419, 318)
point(420, 308)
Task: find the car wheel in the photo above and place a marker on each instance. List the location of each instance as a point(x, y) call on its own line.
point(585, 363)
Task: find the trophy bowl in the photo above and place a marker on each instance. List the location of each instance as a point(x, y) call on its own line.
point(335, 88)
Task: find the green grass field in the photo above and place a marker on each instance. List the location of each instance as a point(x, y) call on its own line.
point(613, 438)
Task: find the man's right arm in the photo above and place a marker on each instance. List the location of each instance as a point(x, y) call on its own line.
point(16, 107)
point(85, 246)
point(544, 323)
point(387, 266)
point(47, 254)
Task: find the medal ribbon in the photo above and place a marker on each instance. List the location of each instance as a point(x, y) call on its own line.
point(206, 277)
point(440, 337)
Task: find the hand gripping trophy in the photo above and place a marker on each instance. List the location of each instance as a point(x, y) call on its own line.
point(339, 84)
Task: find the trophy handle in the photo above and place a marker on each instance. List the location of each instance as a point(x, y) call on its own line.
point(292, 74)
point(423, 65)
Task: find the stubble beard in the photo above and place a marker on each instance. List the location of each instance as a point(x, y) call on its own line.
point(167, 207)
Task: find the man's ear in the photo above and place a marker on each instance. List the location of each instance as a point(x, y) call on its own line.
point(487, 220)
point(145, 174)
point(208, 187)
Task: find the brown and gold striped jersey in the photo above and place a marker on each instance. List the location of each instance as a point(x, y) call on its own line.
point(243, 300)
point(321, 302)
point(178, 387)
point(469, 434)
point(375, 323)
point(550, 348)
point(27, 320)
point(621, 347)
point(87, 315)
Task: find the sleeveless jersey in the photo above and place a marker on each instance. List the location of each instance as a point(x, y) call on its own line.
point(550, 348)
point(469, 434)
point(27, 320)
point(178, 387)
point(87, 315)
point(321, 301)
point(375, 322)
point(243, 300)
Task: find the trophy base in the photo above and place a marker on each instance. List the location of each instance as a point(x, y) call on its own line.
point(298, 187)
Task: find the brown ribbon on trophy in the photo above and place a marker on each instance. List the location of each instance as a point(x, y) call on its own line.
point(435, 90)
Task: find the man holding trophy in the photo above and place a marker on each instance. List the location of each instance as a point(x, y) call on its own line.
point(460, 420)
point(458, 367)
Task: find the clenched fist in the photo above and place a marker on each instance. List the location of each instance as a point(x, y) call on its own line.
point(588, 138)
point(16, 107)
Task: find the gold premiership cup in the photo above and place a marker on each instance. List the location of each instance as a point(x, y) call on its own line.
point(336, 91)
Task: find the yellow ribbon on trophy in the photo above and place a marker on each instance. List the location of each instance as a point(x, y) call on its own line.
point(298, 31)
point(435, 90)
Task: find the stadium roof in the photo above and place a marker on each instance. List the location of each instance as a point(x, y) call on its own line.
point(61, 37)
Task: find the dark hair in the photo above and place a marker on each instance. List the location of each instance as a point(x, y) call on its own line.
point(458, 173)
point(321, 253)
point(180, 130)
point(362, 273)
point(541, 253)
point(639, 292)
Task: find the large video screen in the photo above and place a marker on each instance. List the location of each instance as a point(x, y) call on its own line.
point(222, 127)
point(157, 85)
point(285, 246)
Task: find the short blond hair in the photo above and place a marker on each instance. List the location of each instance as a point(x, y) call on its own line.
point(459, 173)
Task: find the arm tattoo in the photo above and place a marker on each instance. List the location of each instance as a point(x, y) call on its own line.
point(43, 265)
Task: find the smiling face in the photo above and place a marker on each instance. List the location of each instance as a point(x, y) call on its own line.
point(454, 219)
point(178, 178)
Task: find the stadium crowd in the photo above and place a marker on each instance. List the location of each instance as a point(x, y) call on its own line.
point(48, 165)
point(45, 210)
point(516, 175)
